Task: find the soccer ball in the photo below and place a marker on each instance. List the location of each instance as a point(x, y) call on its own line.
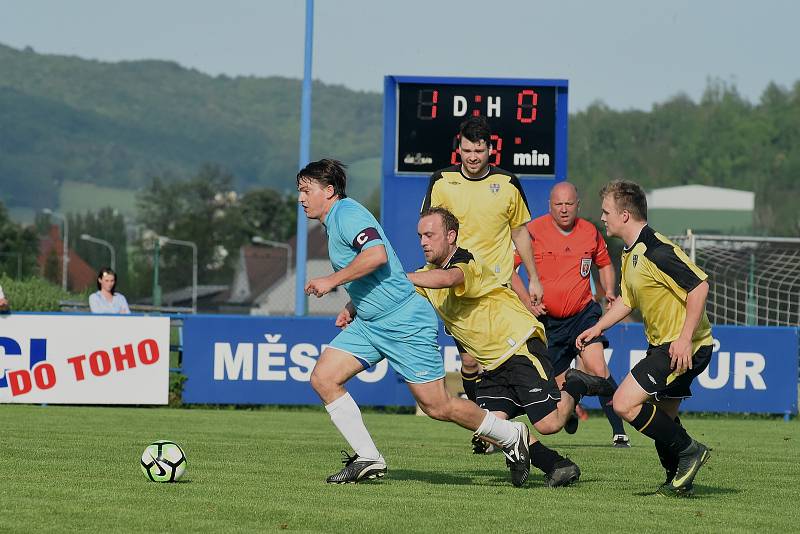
point(163, 461)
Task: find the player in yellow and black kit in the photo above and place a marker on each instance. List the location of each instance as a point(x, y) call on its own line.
point(670, 291)
point(508, 341)
point(492, 211)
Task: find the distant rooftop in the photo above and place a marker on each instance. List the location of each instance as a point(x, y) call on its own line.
point(701, 197)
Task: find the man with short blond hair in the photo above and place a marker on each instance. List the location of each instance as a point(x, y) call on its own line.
point(670, 292)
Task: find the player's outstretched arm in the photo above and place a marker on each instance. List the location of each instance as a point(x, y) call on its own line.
point(366, 262)
point(522, 241)
point(437, 278)
point(619, 310)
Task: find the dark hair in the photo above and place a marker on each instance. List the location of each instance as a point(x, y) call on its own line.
point(105, 271)
point(450, 221)
point(628, 196)
point(326, 172)
point(476, 129)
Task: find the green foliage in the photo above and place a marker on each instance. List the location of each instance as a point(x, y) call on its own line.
point(205, 210)
point(119, 124)
point(721, 141)
point(18, 247)
point(105, 224)
point(33, 294)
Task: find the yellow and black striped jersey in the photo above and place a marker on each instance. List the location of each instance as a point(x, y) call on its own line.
point(486, 317)
point(487, 209)
point(656, 277)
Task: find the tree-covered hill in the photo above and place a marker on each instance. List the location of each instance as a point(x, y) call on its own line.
point(118, 124)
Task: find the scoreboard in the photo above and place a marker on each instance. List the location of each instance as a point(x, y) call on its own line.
point(523, 119)
point(421, 120)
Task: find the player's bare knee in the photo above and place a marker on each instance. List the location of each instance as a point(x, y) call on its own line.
point(438, 411)
point(624, 408)
point(322, 383)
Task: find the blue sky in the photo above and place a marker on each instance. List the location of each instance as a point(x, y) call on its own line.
point(629, 54)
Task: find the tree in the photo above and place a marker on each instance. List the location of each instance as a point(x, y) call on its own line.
point(19, 247)
point(106, 224)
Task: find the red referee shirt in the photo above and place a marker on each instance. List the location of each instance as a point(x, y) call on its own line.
point(564, 263)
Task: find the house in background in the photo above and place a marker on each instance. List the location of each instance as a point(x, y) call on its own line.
point(264, 282)
point(80, 275)
point(701, 208)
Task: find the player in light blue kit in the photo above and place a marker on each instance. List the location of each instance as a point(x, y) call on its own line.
point(385, 318)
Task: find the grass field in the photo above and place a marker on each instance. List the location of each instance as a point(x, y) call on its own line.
point(76, 469)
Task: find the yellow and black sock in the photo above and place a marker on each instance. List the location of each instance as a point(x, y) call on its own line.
point(657, 425)
point(668, 458)
point(470, 381)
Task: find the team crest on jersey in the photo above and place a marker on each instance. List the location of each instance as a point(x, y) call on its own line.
point(494, 188)
point(586, 266)
point(635, 259)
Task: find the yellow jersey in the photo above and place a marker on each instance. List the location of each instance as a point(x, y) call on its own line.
point(656, 277)
point(484, 315)
point(487, 209)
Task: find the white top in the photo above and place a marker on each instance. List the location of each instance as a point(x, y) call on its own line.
point(99, 304)
point(2, 295)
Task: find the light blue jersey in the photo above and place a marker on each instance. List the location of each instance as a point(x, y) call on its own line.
point(352, 228)
point(392, 320)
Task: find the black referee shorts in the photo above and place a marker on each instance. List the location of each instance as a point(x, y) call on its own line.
point(562, 333)
point(517, 387)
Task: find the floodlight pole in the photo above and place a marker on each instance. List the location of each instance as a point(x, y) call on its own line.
point(109, 246)
point(300, 299)
point(193, 246)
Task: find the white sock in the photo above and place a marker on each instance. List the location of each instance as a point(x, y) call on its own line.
point(499, 430)
point(346, 417)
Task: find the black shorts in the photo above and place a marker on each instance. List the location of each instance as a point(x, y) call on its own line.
point(561, 335)
point(654, 375)
point(517, 387)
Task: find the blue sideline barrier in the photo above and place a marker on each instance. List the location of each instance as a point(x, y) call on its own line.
point(268, 360)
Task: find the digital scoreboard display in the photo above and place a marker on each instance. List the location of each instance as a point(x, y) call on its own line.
point(522, 118)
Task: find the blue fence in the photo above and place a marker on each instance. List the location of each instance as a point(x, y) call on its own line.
point(265, 360)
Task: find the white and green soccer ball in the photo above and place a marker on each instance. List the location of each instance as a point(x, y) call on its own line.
point(163, 461)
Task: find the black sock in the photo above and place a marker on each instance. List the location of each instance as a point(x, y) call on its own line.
point(657, 425)
point(543, 458)
point(470, 384)
point(611, 415)
point(669, 460)
point(575, 388)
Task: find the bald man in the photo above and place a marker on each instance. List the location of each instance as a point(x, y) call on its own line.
point(565, 248)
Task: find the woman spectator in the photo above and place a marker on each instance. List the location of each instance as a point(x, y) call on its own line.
point(106, 299)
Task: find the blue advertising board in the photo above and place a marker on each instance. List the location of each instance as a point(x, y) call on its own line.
point(267, 360)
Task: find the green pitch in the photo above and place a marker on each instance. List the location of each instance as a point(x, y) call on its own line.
point(67, 469)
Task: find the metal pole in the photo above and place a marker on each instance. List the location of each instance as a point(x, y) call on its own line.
point(194, 265)
point(109, 246)
point(156, 261)
point(300, 300)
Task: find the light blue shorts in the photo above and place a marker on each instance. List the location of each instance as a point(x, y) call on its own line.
point(406, 336)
